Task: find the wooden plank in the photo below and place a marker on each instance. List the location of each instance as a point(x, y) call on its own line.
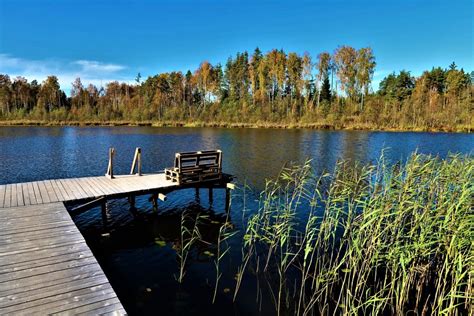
point(48, 191)
point(25, 240)
point(19, 194)
point(100, 187)
point(57, 303)
point(28, 228)
point(14, 197)
point(49, 188)
point(8, 277)
point(31, 236)
point(56, 277)
point(107, 189)
point(55, 289)
point(32, 209)
point(8, 213)
point(31, 220)
point(77, 188)
point(26, 196)
point(31, 193)
point(57, 190)
point(3, 188)
point(86, 188)
point(46, 266)
point(104, 191)
point(87, 206)
point(43, 192)
point(115, 185)
point(67, 194)
point(70, 188)
point(36, 188)
point(46, 242)
point(18, 267)
point(39, 254)
point(92, 187)
point(101, 308)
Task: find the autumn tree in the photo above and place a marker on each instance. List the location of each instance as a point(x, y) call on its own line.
point(345, 63)
point(323, 66)
point(308, 82)
point(254, 66)
point(50, 95)
point(294, 67)
point(5, 94)
point(365, 67)
point(77, 95)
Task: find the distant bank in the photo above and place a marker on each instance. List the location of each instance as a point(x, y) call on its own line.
point(278, 125)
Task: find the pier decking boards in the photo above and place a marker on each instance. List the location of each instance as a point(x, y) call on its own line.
point(46, 266)
point(66, 190)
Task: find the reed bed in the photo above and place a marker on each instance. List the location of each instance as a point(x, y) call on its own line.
point(365, 239)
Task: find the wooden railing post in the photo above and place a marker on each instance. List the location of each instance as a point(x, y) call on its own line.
point(137, 162)
point(219, 162)
point(110, 168)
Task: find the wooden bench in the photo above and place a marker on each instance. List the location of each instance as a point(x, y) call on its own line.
point(194, 167)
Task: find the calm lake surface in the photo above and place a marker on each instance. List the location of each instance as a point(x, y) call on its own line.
point(139, 256)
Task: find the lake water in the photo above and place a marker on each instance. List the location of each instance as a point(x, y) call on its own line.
point(139, 256)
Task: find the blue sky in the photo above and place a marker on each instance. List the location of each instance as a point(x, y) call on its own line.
point(114, 40)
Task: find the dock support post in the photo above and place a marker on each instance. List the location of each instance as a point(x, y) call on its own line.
point(198, 199)
point(131, 200)
point(227, 200)
point(211, 197)
point(110, 167)
point(104, 214)
point(154, 201)
point(137, 162)
point(228, 188)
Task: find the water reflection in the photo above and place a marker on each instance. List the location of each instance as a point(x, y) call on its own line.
point(148, 227)
point(140, 254)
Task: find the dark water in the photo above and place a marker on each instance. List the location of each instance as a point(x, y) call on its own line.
point(139, 256)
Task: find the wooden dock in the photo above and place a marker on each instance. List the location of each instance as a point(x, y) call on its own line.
point(77, 189)
point(45, 264)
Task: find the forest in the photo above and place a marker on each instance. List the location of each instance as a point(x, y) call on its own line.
point(275, 89)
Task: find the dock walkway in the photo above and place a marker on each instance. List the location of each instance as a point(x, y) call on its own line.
point(75, 189)
point(46, 266)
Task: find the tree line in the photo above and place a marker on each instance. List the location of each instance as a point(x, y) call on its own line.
point(333, 88)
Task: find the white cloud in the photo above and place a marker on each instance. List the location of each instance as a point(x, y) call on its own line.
point(95, 66)
point(90, 71)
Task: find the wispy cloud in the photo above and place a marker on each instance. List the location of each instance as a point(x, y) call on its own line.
point(90, 71)
point(95, 66)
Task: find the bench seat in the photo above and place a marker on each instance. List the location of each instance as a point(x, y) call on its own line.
point(194, 167)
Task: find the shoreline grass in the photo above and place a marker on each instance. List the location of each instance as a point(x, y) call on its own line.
point(375, 239)
point(258, 124)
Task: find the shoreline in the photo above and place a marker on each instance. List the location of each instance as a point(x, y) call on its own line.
point(257, 125)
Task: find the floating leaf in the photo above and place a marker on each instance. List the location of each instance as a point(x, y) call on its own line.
point(160, 242)
point(208, 253)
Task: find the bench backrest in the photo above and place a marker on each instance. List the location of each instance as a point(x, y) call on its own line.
point(204, 160)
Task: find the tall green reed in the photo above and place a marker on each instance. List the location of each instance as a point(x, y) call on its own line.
point(366, 239)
